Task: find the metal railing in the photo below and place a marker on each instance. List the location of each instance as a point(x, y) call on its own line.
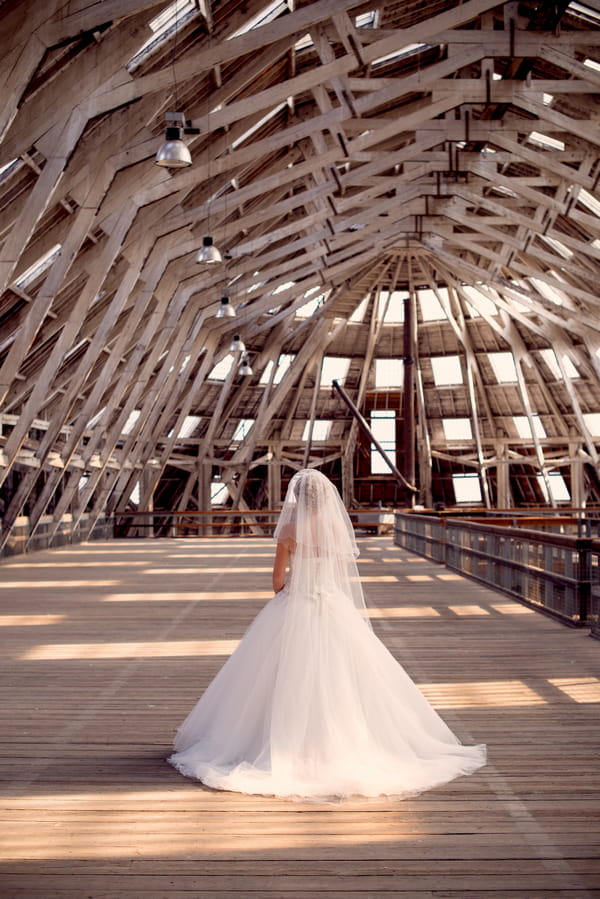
point(556, 573)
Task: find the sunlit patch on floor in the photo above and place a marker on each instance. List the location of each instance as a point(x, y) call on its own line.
point(418, 578)
point(481, 693)
point(67, 584)
point(211, 595)
point(511, 608)
point(29, 620)
point(579, 689)
point(158, 649)
point(231, 569)
point(448, 576)
point(404, 612)
point(468, 610)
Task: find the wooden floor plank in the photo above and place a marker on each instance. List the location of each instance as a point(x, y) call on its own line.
point(106, 647)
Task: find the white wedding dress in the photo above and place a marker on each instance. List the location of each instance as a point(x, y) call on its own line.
point(311, 703)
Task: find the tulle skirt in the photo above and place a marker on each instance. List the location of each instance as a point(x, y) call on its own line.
point(312, 704)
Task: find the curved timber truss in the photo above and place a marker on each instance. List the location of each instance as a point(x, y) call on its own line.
point(344, 155)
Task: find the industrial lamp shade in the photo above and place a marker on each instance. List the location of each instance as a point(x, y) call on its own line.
point(237, 344)
point(245, 368)
point(209, 254)
point(173, 154)
point(225, 310)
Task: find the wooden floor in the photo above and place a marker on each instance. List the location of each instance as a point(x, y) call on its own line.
point(107, 646)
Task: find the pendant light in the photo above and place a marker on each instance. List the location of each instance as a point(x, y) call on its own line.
point(237, 345)
point(209, 254)
point(173, 153)
point(225, 310)
point(245, 369)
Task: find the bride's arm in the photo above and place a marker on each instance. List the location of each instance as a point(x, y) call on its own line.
point(280, 565)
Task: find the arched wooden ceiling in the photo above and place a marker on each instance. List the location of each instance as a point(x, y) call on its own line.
point(343, 149)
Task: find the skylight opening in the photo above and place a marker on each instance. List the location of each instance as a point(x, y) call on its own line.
point(10, 168)
point(267, 14)
point(547, 99)
point(592, 64)
point(220, 371)
point(163, 26)
point(389, 374)
point(543, 140)
point(431, 308)
point(564, 251)
point(320, 431)
point(383, 426)
point(334, 368)
point(583, 11)
point(35, 270)
point(242, 429)
point(522, 425)
point(257, 125)
point(446, 370)
point(130, 423)
point(368, 19)
point(589, 201)
point(457, 428)
point(504, 367)
point(305, 43)
point(96, 418)
point(135, 495)
point(467, 488)
point(558, 486)
point(188, 427)
point(285, 360)
point(550, 293)
point(395, 307)
point(308, 309)
point(550, 358)
point(403, 53)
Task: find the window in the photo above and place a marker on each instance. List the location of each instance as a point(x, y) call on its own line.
point(524, 429)
point(310, 307)
point(29, 275)
point(334, 368)
point(550, 293)
point(446, 370)
point(130, 423)
point(190, 423)
point(221, 369)
point(558, 486)
point(284, 362)
point(359, 313)
point(394, 314)
point(431, 308)
point(543, 140)
point(383, 425)
point(218, 493)
point(321, 430)
point(504, 367)
point(480, 303)
point(457, 428)
point(551, 360)
point(592, 422)
point(242, 430)
point(135, 495)
point(467, 488)
point(389, 373)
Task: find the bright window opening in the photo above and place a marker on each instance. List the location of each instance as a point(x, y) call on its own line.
point(409, 50)
point(383, 425)
point(135, 495)
point(550, 358)
point(389, 373)
point(589, 201)
point(44, 262)
point(163, 26)
point(367, 19)
point(309, 308)
point(218, 493)
point(550, 293)
point(479, 304)
point(431, 308)
point(267, 14)
point(457, 428)
point(543, 140)
point(130, 423)
point(257, 125)
point(467, 488)
point(394, 314)
point(524, 429)
point(446, 370)
point(242, 429)
point(334, 368)
point(592, 421)
point(560, 248)
point(359, 313)
point(592, 64)
point(504, 367)
point(320, 430)
point(558, 486)
point(283, 364)
point(221, 369)
point(190, 424)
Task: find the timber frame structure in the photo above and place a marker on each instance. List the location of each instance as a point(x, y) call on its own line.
point(347, 153)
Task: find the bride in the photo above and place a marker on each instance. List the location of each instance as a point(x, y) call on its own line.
point(311, 703)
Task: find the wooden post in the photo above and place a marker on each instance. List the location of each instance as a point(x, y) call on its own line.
point(408, 401)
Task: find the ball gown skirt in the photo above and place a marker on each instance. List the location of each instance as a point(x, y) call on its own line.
point(312, 704)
